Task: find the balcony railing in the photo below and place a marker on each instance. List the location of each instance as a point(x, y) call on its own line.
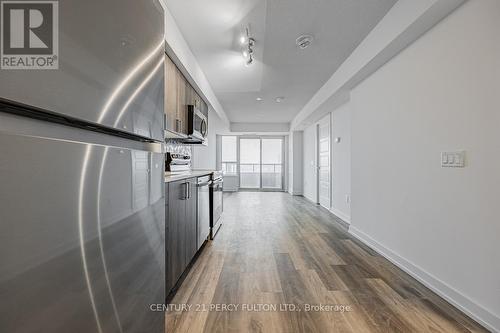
point(271, 175)
point(230, 168)
point(250, 174)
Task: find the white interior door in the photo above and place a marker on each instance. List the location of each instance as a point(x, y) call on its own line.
point(324, 162)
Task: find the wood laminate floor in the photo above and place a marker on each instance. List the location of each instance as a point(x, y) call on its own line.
point(275, 249)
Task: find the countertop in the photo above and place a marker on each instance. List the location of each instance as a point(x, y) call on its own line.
point(180, 175)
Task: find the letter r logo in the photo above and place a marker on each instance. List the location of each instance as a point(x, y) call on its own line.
point(28, 27)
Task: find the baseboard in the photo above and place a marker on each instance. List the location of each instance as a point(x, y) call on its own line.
point(453, 296)
point(340, 215)
point(310, 200)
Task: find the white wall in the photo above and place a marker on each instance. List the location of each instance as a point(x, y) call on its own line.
point(260, 127)
point(310, 187)
point(182, 54)
point(341, 163)
point(205, 157)
point(290, 163)
point(442, 224)
point(295, 162)
point(405, 22)
point(285, 161)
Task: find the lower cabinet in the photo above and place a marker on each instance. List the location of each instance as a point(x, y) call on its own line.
point(181, 230)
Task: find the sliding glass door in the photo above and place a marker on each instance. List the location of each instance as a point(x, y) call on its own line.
point(272, 159)
point(250, 163)
point(261, 163)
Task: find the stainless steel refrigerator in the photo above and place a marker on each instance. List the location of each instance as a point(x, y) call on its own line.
point(82, 207)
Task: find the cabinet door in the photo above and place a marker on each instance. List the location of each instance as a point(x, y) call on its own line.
point(191, 226)
point(204, 108)
point(181, 103)
point(170, 94)
point(196, 99)
point(190, 93)
point(176, 217)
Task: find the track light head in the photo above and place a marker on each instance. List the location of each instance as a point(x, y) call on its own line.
point(249, 61)
point(247, 43)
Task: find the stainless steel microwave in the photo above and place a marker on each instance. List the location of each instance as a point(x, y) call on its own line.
point(197, 124)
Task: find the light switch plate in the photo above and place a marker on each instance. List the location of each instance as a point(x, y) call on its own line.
point(453, 159)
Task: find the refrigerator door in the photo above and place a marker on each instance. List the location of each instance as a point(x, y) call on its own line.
point(111, 56)
point(82, 232)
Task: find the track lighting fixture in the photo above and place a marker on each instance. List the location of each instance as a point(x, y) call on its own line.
point(248, 44)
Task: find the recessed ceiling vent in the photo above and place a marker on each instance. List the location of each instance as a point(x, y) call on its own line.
point(304, 41)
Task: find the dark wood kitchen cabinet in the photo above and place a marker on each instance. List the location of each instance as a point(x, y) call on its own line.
point(182, 114)
point(171, 95)
point(175, 98)
point(178, 95)
point(174, 233)
point(181, 229)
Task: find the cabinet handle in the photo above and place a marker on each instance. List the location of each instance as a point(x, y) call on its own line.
point(186, 191)
point(189, 190)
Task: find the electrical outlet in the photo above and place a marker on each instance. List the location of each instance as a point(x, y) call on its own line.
point(453, 159)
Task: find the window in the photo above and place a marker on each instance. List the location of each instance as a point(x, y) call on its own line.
point(229, 155)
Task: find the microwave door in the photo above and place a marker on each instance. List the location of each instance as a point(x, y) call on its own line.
point(201, 124)
point(198, 124)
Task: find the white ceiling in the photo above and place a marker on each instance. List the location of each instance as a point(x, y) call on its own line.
point(212, 30)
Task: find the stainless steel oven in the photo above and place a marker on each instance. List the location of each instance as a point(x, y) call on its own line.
point(216, 203)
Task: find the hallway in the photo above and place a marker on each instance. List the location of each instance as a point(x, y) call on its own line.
point(275, 250)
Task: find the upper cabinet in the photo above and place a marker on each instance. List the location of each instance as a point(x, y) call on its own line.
point(178, 95)
point(182, 126)
point(171, 95)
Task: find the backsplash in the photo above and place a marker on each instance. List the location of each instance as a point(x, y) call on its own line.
point(178, 148)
